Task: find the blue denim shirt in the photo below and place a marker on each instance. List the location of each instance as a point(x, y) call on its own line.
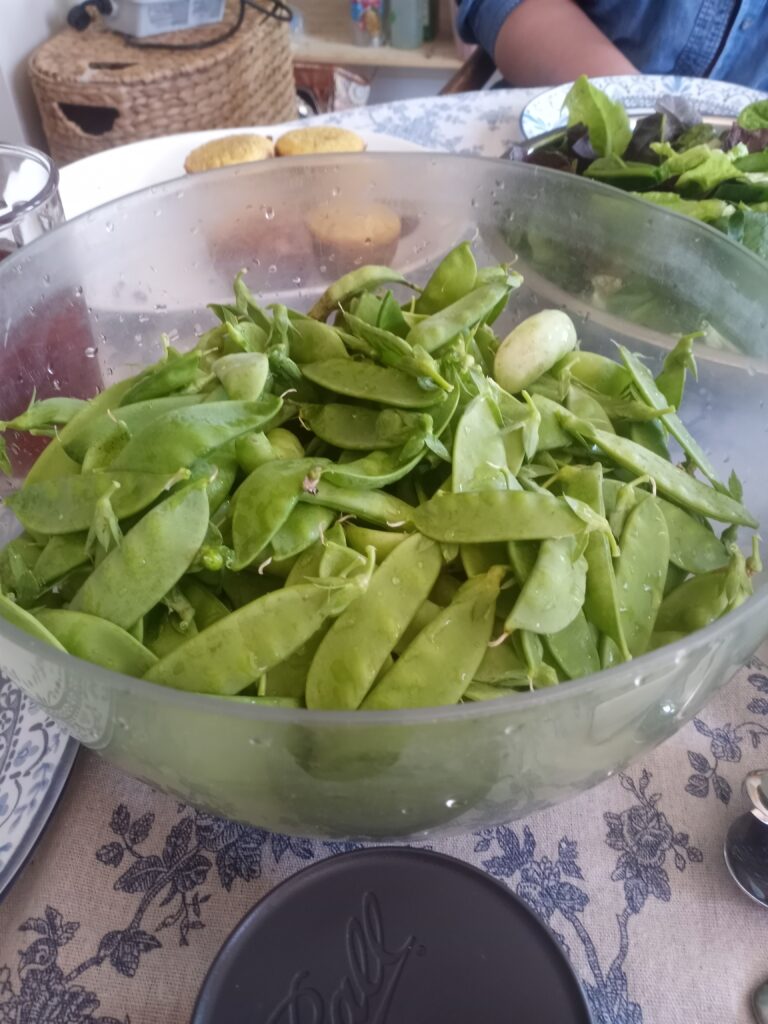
point(725, 39)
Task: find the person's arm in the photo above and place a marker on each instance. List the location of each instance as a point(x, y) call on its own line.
point(546, 42)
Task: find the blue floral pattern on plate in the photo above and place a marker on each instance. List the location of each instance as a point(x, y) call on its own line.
point(35, 759)
point(639, 93)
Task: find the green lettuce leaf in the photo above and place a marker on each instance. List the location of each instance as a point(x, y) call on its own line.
point(707, 210)
point(755, 116)
point(700, 168)
point(606, 121)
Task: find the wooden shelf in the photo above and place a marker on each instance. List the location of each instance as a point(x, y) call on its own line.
point(327, 39)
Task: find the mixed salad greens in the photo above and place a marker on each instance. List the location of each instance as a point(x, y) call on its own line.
point(672, 158)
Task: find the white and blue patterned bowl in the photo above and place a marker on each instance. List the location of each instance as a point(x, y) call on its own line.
point(639, 94)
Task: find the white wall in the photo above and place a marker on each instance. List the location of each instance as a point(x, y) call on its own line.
point(25, 24)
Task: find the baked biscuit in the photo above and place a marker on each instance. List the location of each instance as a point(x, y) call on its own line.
point(318, 139)
point(349, 234)
point(231, 149)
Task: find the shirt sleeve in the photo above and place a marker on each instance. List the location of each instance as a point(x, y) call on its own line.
point(480, 21)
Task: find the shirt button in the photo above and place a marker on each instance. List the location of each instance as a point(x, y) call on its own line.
point(746, 24)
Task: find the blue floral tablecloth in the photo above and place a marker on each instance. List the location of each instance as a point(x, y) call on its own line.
point(129, 895)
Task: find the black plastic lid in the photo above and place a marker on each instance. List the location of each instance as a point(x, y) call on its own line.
point(391, 936)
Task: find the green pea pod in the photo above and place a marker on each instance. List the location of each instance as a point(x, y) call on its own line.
point(672, 481)
point(382, 541)
point(130, 581)
point(601, 598)
point(487, 516)
point(305, 525)
point(232, 653)
point(641, 573)
point(102, 453)
point(643, 380)
point(26, 622)
point(356, 281)
point(246, 304)
point(241, 588)
point(44, 416)
point(477, 559)
point(553, 594)
point(367, 380)
point(244, 375)
point(702, 599)
point(207, 606)
point(62, 554)
point(501, 664)
point(479, 453)
point(377, 507)
point(391, 317)
point(253, 450)
point(441, 662)
point(677, 364)
point(289, 677)
point(459, 317)
point(649, 435)
point(264, 501)
point(175, 373)
point(599, 373)
point(453, 278)
point(582, 404)
point(183, 436)
point(551, 433)
point(394, 351)
point(344, 668)
point(110, 426)
point(96, 640)
point(68, 505)
point(478, 691)
point(52, 463)
point(356, 428)
point(540, 673)
point(18, 560)
point(574, 648)
point(311, 341)
point(375, 470)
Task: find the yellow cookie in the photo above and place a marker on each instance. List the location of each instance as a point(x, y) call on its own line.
point(350, 234)
point(318, 139)
point(232, 149)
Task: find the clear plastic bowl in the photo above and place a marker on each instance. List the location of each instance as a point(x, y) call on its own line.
point(88, 302)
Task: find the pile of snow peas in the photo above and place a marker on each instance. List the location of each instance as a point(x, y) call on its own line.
point(393, 509)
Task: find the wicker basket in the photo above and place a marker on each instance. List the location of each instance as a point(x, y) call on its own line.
point(95, 91)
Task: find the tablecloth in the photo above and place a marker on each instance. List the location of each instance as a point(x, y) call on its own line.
point(129, 894)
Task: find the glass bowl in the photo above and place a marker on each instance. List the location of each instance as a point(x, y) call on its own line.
point(87, 304)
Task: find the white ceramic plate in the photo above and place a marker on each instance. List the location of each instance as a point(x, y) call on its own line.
point(95, 180)
point(35, 759)
point(639, 94)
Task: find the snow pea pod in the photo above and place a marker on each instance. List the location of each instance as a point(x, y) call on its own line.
point(391, 317)
point(677, 364)
point(650, 435)
point(353, 651)
point(26, 622)
point(243, 375)
point(672, 481)
point(62, 553)
point(151, 559)
point(501, 664)
point(183, 436)
point(702, 599)
point(574, 648)
point(367, 380)
point(643, 380)
point(382, 541)
point(232, 653)
point(483, 517)
point(374, 471)
point(452, 279)
point(109, 425)
point(582, 404)
point(439, 665)
point(96, 640)
point(392, 350)
point(479, 452)
point(289, 677)
point(356, 281)
point(42, 417)
point(356, 428)
point(264, 501)
point(599, 373)
point(175, 373)
point(310, 341)
point(553, 594)
point(641, 572)
point(459, 317)
point(304, 525)
point(208, 608)
point(377, 507)
point(67, 505)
